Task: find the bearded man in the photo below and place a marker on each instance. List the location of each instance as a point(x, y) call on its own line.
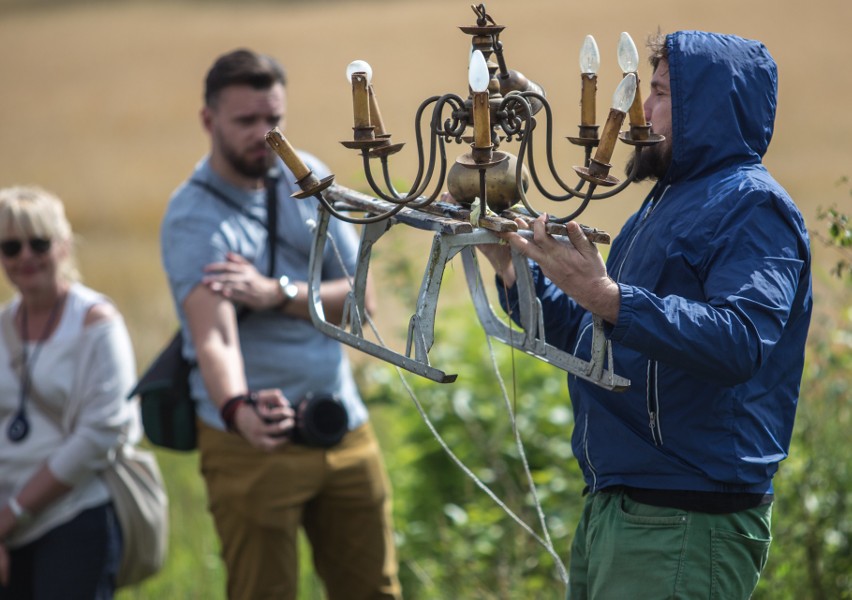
point(706, 298)
point(235, 247)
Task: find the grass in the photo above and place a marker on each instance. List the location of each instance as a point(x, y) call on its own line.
point(193, 569)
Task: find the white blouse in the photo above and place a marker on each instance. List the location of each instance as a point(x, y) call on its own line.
point(78, 410)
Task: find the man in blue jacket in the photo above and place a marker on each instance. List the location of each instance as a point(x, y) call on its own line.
point(706, 297)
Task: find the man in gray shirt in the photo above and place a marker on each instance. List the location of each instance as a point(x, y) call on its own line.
point(242, 298)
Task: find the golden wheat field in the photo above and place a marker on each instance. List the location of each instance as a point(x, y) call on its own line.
point(99, 101)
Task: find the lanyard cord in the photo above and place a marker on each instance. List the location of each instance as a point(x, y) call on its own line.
point(19, 428)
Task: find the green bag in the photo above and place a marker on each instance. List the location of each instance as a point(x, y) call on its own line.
point(168, 410)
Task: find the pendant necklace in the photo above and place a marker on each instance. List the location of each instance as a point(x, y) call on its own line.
point(19, 428)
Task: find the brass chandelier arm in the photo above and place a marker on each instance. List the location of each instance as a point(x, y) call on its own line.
point(393, 196)
point(438, 133)
point(521, 123)
point(526, 137)
point(452, 128)
point(574, 192)
point(386, 174)
point(627, 181)
point(590, 195)
point(329, 206)
point(411, 199)
point(586, 199)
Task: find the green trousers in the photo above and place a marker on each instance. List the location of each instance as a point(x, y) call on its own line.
point(624, 550)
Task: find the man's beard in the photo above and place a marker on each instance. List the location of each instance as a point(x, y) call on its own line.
point(654, 162)
point(253, 169)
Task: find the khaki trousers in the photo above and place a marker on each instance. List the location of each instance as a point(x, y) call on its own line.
point(341, 496)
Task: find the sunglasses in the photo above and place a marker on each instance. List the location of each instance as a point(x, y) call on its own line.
point(12, 248)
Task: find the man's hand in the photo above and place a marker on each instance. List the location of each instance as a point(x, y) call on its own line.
point(239, 281)
point(576, 268)
point(266, 424)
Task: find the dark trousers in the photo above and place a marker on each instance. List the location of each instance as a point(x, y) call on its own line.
point(78, 559)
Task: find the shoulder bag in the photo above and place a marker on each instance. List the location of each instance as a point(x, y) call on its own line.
point(168, 409)
point(142, 507)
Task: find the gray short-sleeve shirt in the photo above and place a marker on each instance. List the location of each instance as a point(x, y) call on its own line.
point(278, 351)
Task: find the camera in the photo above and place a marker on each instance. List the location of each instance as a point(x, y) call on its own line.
point(321, 420)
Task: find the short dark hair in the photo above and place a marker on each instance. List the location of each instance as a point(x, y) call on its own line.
point(657, 49)
point(242, 67)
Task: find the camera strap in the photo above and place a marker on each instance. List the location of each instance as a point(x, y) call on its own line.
point(271, 223)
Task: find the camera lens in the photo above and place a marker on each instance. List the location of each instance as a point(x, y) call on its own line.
point(321, 420)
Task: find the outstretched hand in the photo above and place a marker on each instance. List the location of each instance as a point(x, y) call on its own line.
point(576, 268)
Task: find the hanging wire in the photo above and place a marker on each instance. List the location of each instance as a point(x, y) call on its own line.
point(545, 542)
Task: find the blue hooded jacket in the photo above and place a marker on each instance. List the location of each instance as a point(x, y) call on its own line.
point(714, 271)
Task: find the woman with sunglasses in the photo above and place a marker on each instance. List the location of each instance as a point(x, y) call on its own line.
point(66, 366)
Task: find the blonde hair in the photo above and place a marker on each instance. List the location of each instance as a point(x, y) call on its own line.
point(32, 212)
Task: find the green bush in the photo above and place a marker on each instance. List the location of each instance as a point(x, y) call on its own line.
point(454, 540)
point(811, 554)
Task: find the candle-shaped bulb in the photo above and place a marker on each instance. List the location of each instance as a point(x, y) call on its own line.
point(359, 73)
point(477, 73)
point(621, 101)
point(590, 61)
point(628, 56)
point(282, 147)
point(590, 57)
point(359, 66)
point(624, 93)
point(478, 78)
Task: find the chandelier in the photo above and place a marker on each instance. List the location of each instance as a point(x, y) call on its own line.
point(488, 186)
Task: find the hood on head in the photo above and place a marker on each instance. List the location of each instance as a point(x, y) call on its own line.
point(724, 93)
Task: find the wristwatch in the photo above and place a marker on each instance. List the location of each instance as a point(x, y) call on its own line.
point(288, 290)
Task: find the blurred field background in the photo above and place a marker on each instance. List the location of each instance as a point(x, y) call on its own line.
point(99, 103)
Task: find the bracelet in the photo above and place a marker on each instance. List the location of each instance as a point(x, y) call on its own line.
point(229, 409)
point(21, 514)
